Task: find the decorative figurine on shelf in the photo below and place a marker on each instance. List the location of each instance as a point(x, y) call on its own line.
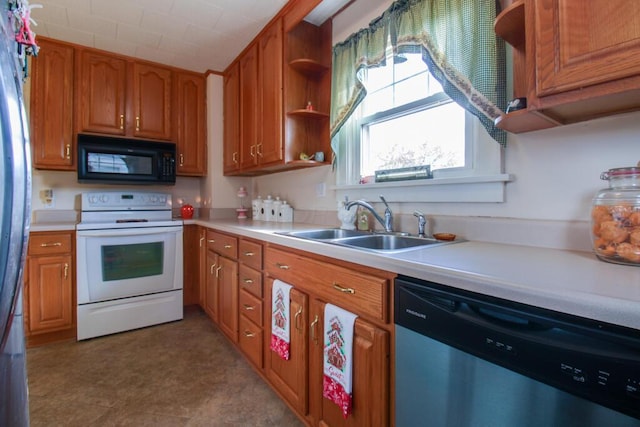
point(346, 216)
point(242, 211)
point(309, 106)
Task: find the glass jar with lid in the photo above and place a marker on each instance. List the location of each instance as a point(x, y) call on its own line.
point(615, 217)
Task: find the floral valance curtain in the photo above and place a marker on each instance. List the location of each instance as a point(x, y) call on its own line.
point(457, 42)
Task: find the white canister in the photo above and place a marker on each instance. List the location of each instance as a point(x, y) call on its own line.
point(267, 206)
point(274, 214)
point(256, 208)
point(286, 212)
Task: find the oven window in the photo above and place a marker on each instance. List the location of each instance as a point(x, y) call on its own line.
point(130, 261)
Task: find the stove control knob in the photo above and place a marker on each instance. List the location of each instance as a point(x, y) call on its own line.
point(104, 198)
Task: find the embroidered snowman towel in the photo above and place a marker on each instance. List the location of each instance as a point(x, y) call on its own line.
point(338, 356)
point(280, 322)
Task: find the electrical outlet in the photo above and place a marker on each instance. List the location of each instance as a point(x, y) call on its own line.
point(321, 189)
point(48, 198)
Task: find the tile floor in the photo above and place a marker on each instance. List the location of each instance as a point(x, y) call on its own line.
point(178, 374)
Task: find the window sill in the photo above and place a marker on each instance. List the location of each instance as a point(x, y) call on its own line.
point(477, 189)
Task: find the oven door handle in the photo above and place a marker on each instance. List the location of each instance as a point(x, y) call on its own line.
point(119, 232)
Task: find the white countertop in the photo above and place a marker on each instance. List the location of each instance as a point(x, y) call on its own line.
point(566, 281)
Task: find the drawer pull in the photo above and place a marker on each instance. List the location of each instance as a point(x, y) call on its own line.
point(297, 318)
point(211, 240)
point(218, 271)
point(181, 159)
point(342, 289)
point(314, 336)
point(212, 267)
point(121, 121)
point(249, 334)
point(248, 254)
point(248, 281)
point(201, 240)
point(50, 244)
point(66, 270)
point(248, 307)
point(228, 246)
point(282, 266)
point(137, 124)
point(68, 151)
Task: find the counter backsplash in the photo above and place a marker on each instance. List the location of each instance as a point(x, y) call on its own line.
point(568, 235)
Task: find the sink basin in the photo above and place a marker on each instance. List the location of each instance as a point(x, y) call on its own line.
point(326, 234)
point(388, 243)
point(364, 240)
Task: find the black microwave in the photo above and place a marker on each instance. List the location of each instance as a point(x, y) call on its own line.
point(109, 160)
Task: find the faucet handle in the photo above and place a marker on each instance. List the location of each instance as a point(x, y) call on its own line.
point(384, 201)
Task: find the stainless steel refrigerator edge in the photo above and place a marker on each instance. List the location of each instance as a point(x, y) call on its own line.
point(15, 201)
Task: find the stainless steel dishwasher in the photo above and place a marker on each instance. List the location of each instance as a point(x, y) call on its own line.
point(465, 359)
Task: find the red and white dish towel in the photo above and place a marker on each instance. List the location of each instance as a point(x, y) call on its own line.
point(338, 356)
point(280, 322)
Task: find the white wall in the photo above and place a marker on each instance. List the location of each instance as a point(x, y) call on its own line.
point(556, 171)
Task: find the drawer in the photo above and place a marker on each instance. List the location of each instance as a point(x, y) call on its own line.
point(250, 307)
point(250, 280)
point(45, 243)
point(251, 341)
point(250, 254)
point(358, 292)
point(223, 244)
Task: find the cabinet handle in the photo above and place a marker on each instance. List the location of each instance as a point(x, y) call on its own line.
point(211, 269)
point(234, 157)
point(68, 151)
point(211, 240)
point(248, 281)
point(218, 271)
point(252, 151)
point(181, 159)
point(50, 244)
point(342, 289)
point(201, 240)
point(297, 317)
point(66, 270)
point(313, 330)
point(249, 334)
point(137, 124)
point(260, 149)
point(121, 121)
point(249, 254)
point(248, 307)
point(228, 246)
point(282, 266)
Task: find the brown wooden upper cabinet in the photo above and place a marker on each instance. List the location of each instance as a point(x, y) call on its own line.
point(110, 104)
point(190, 101)
point(267, 125)
point(51, 111)
point(573, 60)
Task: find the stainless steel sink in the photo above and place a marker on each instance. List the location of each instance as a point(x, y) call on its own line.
point(326, 234)
point(383, 243)
point(388, 243)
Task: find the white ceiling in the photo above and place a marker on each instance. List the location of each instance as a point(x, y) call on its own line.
point(197, 35)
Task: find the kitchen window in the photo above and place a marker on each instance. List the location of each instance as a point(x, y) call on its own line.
point(406, 120)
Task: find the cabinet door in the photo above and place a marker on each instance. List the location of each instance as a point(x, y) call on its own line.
point(102, 91)
point(228, 292)
point(269, 149)
point(249, 107)
point(52, 79)
point(212, 291)
point(231, 102)
point(151, 102)
point(191, 124)
point(290, 377)
point(50, 294)
point(582, 43)
point(370, 381)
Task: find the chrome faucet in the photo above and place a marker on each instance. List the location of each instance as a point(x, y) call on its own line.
point(422, 222)
point(387, 222)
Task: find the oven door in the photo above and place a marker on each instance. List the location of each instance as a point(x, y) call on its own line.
point(121, 263)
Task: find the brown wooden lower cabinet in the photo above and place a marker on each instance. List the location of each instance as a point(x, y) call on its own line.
point(236, 291)
point(49, 288)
